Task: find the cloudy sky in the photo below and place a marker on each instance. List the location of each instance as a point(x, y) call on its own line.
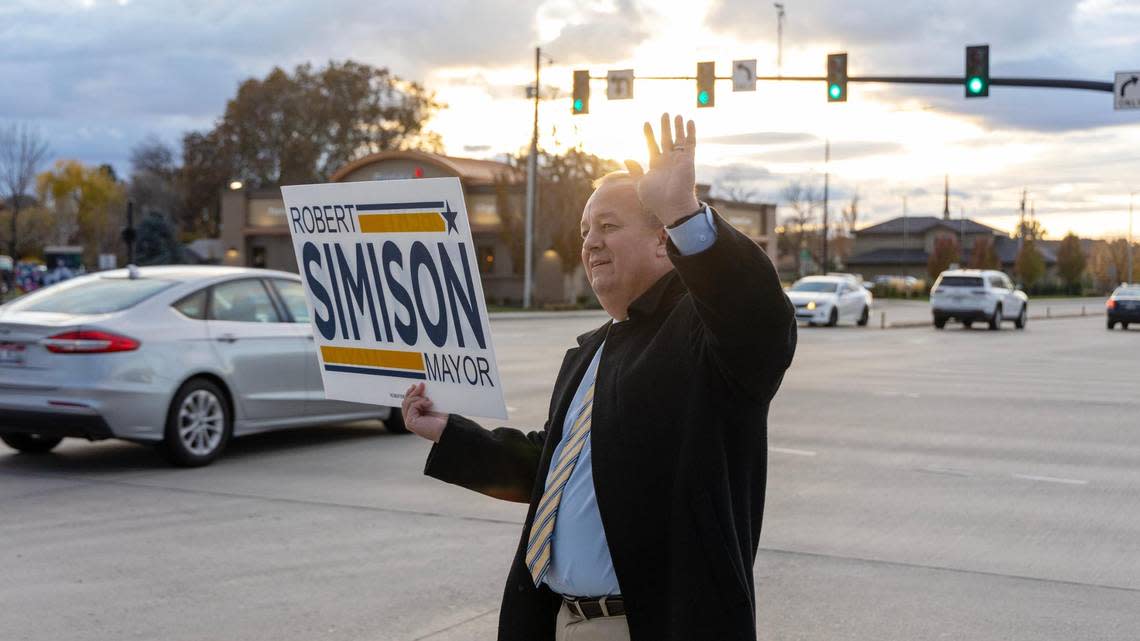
point(97, 76)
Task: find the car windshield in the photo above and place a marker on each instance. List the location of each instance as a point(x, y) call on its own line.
point(962, 281)
point(814, 286)
point(1127, 291)
point(97, 296)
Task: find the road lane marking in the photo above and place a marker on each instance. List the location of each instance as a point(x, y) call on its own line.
point(1050, 479)
point(786, 450)
point(944, 470)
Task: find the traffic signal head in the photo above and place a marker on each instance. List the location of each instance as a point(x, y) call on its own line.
point(581, 104)
point(837, 77)
point(706, 84)
point(978, 71)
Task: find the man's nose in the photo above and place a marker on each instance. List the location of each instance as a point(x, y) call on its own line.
point(592, 240)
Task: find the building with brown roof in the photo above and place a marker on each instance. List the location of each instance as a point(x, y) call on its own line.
point(255, 233)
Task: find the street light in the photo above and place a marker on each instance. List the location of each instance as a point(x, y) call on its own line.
point(236, 185)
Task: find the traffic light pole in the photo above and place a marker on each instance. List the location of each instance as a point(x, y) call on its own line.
point(531, 188)
point(826, 186)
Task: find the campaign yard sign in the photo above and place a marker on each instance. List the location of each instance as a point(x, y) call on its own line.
point(394, 293)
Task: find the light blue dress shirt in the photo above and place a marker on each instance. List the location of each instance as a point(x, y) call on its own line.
point(580, 562)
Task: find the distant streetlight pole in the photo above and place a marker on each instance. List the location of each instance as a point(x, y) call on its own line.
point(779, 38)
point(531, 187)
point(1131, 196)
point(906, 238)
point(826, 185)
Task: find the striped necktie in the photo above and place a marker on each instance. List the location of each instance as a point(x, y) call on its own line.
point(542, 528)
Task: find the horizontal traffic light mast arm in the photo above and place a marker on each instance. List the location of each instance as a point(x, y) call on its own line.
point(1046, 83)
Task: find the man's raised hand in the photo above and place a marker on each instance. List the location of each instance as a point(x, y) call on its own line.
point(668, 189)
point(418, 416)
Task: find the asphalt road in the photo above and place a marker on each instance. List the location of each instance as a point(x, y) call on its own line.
point(962, 484)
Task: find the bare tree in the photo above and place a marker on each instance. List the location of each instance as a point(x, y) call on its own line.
point(738, 193)
point(22, 151)
point(803, 200)
point(153, 178)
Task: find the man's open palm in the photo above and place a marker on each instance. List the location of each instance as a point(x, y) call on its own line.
point(667, 190)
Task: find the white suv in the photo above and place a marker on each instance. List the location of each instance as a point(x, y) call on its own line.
point(969, 295)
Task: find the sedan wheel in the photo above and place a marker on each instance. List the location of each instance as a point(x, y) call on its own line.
point(1022, 318)
point(864, 317)
point(833, 319)
point(198, 425)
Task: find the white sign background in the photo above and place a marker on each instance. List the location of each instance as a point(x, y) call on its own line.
point(619, 84)
point(458, 379)
point(744, 75)
point(1131, 97)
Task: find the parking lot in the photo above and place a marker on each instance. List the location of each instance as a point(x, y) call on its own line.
point(962, 484)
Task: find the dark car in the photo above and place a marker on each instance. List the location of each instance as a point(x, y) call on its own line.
point(1123, 306)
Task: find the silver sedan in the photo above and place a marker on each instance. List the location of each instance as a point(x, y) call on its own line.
point(184, 357)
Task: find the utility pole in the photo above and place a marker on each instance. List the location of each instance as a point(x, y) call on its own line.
point(779, 38)
point(1021, 221)
point(531, 188)
point(946, 199)
point(1131, 196)
point(906, 237)
point(826, 181)
point(961, 229)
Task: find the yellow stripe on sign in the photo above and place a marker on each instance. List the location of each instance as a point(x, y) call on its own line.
point(373, 357)
point(387, 223)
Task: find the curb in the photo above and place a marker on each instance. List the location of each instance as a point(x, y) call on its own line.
point(929, 323)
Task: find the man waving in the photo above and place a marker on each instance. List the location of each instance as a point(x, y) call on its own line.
point(646, 485)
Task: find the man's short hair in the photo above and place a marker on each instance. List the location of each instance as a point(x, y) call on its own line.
point(619, 175)
point(622, 176)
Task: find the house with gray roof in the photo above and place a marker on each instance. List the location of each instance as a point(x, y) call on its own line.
point(903, 245)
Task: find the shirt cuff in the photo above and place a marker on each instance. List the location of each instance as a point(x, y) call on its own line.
point(696, 234)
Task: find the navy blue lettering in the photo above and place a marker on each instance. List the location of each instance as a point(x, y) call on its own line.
point(455, 289)
point(357, 289)
point(379, 291)
point(421, 257)
point(336, 291)
point(390, 253)
point(327, 325)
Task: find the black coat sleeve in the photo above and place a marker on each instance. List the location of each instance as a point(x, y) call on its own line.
point(747, 321)
point(501, 463)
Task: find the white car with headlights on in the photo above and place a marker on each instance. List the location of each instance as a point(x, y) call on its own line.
point(827, 300)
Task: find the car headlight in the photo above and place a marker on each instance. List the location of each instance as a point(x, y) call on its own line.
point(811, 305)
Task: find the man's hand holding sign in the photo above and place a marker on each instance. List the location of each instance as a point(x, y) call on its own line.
point(646, 485)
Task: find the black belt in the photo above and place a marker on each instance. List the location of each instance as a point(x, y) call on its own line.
point(606, 606)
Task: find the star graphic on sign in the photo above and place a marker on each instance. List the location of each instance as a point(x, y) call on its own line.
point(449, 216)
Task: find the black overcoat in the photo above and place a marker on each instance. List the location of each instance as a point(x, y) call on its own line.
point(679, 439)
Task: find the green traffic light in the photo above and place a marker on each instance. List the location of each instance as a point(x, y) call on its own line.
point(703, 97)
point(835, 91)
point(578, 104)
point(976, 85)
